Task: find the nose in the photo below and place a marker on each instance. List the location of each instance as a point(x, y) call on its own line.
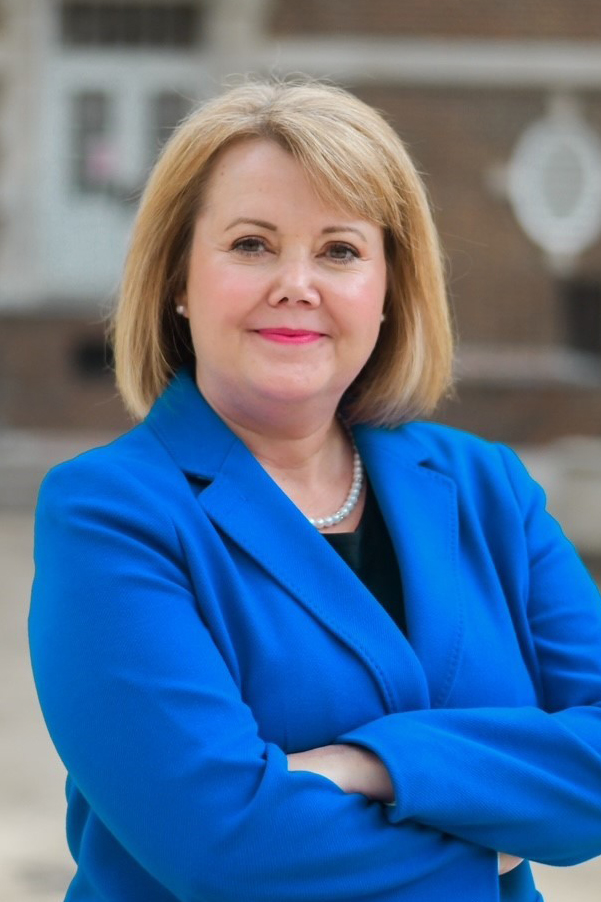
point(294, 283)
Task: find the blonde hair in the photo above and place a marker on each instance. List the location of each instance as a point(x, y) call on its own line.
point(353, 158)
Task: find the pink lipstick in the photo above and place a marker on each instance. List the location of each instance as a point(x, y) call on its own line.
point(290, 336)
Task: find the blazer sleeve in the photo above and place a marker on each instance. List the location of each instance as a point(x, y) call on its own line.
point(153, 730)
point(523, 780)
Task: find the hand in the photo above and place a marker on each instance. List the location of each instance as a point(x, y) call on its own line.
point(351, 767)
point(507, 862)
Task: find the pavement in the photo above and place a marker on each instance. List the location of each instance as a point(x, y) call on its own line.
point(35, 865)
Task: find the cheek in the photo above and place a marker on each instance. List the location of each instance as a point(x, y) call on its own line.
point(206, 307)
point(222, 292)
point(364, 304)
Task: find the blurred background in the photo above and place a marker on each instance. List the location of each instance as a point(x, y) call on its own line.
point(499, 103)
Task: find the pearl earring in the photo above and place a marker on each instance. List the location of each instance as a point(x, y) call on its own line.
point(383, 317)
point(180, 309)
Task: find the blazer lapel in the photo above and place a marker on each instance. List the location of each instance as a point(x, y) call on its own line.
point(419, 506)
point(247, 505)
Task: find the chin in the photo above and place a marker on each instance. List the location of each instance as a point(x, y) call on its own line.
point(294, 391)
point(292, 395)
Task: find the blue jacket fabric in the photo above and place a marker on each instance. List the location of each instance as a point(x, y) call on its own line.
point(189, 628)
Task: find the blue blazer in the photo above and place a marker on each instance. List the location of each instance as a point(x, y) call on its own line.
point(189, 628)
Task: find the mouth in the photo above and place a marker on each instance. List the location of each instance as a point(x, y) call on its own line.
point(290, 336)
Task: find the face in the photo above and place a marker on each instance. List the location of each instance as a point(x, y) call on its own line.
point(284, 293)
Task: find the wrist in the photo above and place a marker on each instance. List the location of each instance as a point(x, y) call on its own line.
point(367, 774)
point(353, 768)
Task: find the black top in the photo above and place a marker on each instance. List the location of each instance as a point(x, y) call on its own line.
point(370, 554)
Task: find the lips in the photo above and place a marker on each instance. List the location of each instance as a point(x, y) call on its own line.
point(285, 335)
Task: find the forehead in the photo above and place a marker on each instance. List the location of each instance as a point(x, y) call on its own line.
point(260, 171)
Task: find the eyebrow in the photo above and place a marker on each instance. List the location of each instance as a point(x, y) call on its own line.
point(263, 224)
point(344, 228)
point(258, 222)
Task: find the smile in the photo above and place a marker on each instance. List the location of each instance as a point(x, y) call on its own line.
point(290, 336)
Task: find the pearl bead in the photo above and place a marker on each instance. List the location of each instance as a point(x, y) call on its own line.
point(351, 499)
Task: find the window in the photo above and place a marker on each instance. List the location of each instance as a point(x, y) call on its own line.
point(92, 357)
point(93, 148)
point(581, 300)
point(131, 25)
point(167, 110)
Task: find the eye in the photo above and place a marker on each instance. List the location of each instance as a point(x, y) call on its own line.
point(250, 246)
point(342, 253)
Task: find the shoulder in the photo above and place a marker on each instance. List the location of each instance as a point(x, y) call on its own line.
point(476, 465)
point(113, 510)
point(446, 441)
point(133, 469)
point(440, 445)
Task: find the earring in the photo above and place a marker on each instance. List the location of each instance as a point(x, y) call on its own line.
point(180, 309)
point(383, 317)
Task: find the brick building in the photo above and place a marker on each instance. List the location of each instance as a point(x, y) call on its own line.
point(96, 85)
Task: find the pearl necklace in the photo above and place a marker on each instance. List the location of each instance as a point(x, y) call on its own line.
point(351, 499)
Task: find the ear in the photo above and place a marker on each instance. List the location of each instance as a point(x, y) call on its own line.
point(181, 304)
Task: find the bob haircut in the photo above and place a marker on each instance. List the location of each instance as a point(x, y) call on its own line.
point(356, 161)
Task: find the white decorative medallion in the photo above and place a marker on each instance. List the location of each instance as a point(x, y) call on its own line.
point(554, 182)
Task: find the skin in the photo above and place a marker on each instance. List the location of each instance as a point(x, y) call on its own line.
point(268, 254)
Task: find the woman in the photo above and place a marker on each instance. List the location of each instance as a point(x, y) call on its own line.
point(289, 643)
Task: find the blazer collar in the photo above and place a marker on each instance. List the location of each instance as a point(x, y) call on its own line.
point(418, 505)
point(195, 436)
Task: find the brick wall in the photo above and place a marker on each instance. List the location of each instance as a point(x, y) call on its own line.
point(51, 375)
point(500, 284)
point(509, 19)
point(523, 415)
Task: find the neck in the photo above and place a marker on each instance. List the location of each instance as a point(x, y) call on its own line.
point(281, 434)
point(304, 448)
point(301, 448)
